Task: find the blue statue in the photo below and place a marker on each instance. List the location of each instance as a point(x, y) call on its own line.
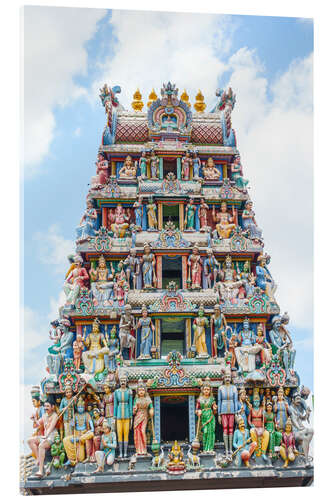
point(147, 329)
point(88, 223)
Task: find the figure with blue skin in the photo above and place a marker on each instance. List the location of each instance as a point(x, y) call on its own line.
point(148, 267)
point(282, 344)
point(241, 442)
point(247, 349)
point(264, 278)
point(111, 357)
point(79, 444)
point(138, 212)
point(88, 223)
point(58, 353)
point(143, 165)
point(147, 332)
point(196, 166)
point(211, 267)
point(237, 175)
point(218, 321)
point(249, 222)
point(107, 453)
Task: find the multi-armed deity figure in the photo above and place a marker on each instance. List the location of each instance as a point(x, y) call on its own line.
point(123, 413)
point(126, 327)
point(258, 433)
point(101, 282)
point(200, 324)
point(96, 356)
point(142, 411)
point(210, 172)
point(118, 221)
point(225, 223)
point(128, 170)
point(79, 444)
point(227, 408)
point(206, 409)
point(230, 285)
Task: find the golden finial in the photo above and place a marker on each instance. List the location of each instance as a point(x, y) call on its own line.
point(184, 97)
point(199, 104)
point(137, 103)
point(152, 97)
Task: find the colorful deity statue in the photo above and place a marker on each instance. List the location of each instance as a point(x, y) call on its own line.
point(67, 404)
point(79, 444)
point(227, 408)
point(247, 348)
point(114, 349)
point(78, 347)
point(126, 328)
point(190, 211)
point(202, 214)
point(205, 410)
point(88, 223)
point(237, 175)
point(154, 164)
point(282, 343)
point(107, 451)
point(274, 435)
point(194, 269)
point(147, 334)
point(95, 357)
point(196, 162)
point(230, 285)
point(249, 222)
point(102, 167)
point(132, 269)
point(200, 324)
point(118, 221)
point(142, 411)
point(210, 172)
point(43, 441)
point(244, 406)
point(242, 444)
point(266, 351)
point(258, 433)
point(288, 450)
point(186, 165)
point(123, 413)
point(107, 403)
point(77, 279)
point(151, 215)
point(176, 457)
point(264, 278)
point(143, 165)
point(225, 223)
point(58, 453)
point(138, 213)
point(98, 420)
point(148, 264)
point(210, 269)
point(218, 321)
point(38, 410)
point(101, 282)
point(62, 350)
point(303, 434)
point(128, 170)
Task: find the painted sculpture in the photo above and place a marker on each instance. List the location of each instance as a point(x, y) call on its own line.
point(225, 223)
point(147, 334)
point(142, 411)
point(210, 172)
point(206, 409)
point(128, 170)
point(123, 413)
point(148, 264)
point(200, 324)
point(79, 445)
point(95, 357)
point(194, 269)
point(88, 223)
point(227, 409)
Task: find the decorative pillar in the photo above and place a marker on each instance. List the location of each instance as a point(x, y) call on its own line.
point(188, 334)
point(159, 271)
point(160, 216)
point(236, 216)
point(113, 168)
point(158, 336)
point(105, 217)
point(225, 170)
point(191, 417)
point(181, 217)
point(161, 169)
point(157, 417)
point(184, 271)
point(179, 169)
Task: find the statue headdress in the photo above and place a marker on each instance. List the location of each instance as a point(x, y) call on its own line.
point(80, 401)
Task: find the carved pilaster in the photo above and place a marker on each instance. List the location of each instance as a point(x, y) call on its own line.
point(191, 417)
point(157, 418)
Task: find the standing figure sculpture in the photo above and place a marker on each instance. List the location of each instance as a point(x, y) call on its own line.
point(288, 445)
point(151, 215)
point(96, 356)
point(79, 445)
point(142, 411)
point(249, 222)
point(78, 346)
point(200, 324)
point(114, 349)
point(67, 404)
point(186, 163)
point(282, 344)
point(219, 323)
point(123, 413)
point(132, 269)
point(138, 213)
point(194, 269)
point(237, 175)
point(107, 451)
point(126, 327)
point(196, 166)
point(148, 263)
point(205, 410)
point(274, 435)
point(281, 410)
point(88, 224)
point(143, 165)
point(258, 433)
point(303, 434)
point(225, 223)
point(227, 408)
point(202, 214)
point(77, 279)
point(107, 403)
point(102, 167)
point(147, 334)
point(211, 269)
point(154, 163)
point(190, 211)
point(264, 278)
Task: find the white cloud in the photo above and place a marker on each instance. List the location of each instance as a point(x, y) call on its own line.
point(54, 249)
point(276, 144)
point(182, 48)
point(54, 54)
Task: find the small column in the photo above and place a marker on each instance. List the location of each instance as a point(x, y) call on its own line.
point(158, 336)
point(159, 270)
point(157, 418)
point(161, 169)
point(191, 418)
point(160, 216)
point(188, 334)
point(113, 168)
point(184, 271)
point(179, 169)
point(181, 216)
point(105, 217)
point(225, 170)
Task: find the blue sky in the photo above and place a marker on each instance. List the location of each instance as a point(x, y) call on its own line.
point(268, 63)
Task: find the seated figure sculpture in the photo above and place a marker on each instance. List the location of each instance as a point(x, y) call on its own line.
point(225, 223)
point(210, 172)
point(101, 283)
point(229, 285)
point(118, 221)
point(247, 349)
point(128, 170)
point(102, 166)
point(96, 355)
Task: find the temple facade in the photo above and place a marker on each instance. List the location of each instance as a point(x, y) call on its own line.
point(170, 355)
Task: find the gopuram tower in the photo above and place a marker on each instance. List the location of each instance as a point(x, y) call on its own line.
point(170, 355)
